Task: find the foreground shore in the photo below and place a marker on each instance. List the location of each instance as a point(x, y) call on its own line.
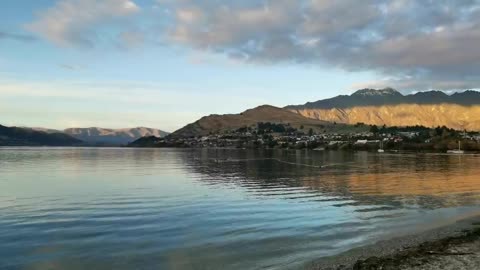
point(456, 252)
point(456, 246)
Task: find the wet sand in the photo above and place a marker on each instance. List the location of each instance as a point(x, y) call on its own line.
point(455, 246)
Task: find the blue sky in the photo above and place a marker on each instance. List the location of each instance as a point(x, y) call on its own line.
point(165, 63)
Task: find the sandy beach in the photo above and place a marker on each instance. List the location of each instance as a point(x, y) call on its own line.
point(455, 246)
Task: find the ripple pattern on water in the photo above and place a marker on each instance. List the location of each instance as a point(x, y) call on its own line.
point(78, 208)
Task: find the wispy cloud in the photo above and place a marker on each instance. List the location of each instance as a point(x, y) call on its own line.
point(18, 37)
point(70, 67)
point(76, 22)
point(164, 97)
point(129, 39)
point(140, 104)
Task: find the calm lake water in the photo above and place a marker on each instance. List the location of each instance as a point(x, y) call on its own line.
point(82, 208)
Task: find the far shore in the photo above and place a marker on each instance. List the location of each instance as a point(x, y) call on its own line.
point(452, 246)
point(372, 150)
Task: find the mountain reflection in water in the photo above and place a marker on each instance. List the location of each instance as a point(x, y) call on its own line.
point(400, 180)
point(78, 208)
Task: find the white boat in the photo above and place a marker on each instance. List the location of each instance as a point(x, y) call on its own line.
point(381, 148)
point(457, 151)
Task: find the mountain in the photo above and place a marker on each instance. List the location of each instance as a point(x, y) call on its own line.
point(46, 130)
point(265, 113)
point(147, 141)
point(389, 96)
point(15, 136)
point(389, 107)
point(104, 136)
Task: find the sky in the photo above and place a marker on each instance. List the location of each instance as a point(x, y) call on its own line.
point(166, 63)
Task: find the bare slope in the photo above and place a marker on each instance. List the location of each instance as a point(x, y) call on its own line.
point(389, 107)
point(265, 113)
point(450, 115)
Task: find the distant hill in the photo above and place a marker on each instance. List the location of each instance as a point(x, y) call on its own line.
point(266, 113)
point(147, 141)
point(46, 130)
point(95, 135)
point(15, 136)
point(389, 107)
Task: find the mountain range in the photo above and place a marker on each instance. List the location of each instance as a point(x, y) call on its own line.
point(74, 136)
point(390, 96)
point(369, 106)
point(105, 136)
point(15, 136)
point(389, 107)
point(265, 113)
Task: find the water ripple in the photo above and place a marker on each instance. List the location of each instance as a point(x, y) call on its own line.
point(74, 208)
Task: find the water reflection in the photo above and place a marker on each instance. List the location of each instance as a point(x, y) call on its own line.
point(400, 180)
point(67, 208)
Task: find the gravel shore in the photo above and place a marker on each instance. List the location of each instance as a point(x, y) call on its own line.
point(456, 246)
point(457, 252)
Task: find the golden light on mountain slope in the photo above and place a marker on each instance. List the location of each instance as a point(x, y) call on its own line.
point(451, 115)
point(265, 113)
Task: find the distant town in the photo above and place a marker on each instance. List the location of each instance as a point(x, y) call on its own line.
point(272, 135)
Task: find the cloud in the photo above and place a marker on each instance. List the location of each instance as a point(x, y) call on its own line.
point(18, 37)
point(88, 103)
point(78, 22)
point(70, 67)
point(414, 43)
point(131, 39)
point(428, 42)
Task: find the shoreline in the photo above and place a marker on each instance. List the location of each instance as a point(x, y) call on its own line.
point(452, 246)
point(387, 151)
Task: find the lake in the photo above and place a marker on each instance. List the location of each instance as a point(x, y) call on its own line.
point(114, 208)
